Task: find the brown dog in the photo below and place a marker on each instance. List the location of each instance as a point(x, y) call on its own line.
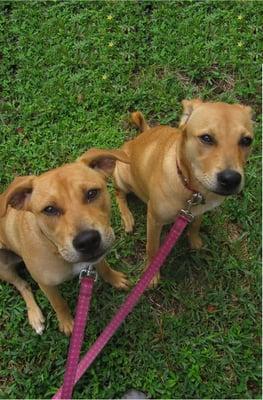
point(206, 154)
point(55, 221)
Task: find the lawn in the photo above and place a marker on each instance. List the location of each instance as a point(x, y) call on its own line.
point(71, 71)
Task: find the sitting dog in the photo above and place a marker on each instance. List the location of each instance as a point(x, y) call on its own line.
point(206, 154)
point(55, 221)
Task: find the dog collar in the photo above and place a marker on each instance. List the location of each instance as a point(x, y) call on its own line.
point(184, 180)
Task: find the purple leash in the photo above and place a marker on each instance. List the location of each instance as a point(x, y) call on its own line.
point(183, 219)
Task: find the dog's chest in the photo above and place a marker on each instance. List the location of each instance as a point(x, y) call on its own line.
point(169, 211)
point(209, 205)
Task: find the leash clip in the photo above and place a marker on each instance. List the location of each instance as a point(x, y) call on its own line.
point(89, 271)
point(196, 199)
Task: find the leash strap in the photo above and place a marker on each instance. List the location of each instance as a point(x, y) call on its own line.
point(177, 229)
point(77, 336)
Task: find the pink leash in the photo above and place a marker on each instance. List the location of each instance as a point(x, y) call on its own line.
point(70, 379)
point(87, 278)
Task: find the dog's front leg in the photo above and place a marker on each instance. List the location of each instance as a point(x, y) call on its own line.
point(194, 238)
point(126, 215)
point(115, 278)
point(154, 228)
point(8, 273)
point(61, 308)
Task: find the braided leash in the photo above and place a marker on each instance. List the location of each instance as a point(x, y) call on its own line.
point(87, 278)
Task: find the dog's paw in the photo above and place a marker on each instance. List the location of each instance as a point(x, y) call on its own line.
point(195, 242)
point(66, 324)
point(119, 280)
point(36, 320)
point(155, 281)
point(128, 222)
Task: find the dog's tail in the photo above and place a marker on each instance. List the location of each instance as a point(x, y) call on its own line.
point(138, 119)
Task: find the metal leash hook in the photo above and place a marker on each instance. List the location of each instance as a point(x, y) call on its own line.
point(196, 199)
point(89, 271)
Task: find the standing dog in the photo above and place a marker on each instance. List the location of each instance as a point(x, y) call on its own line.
point(54, 221)
point(206, 154)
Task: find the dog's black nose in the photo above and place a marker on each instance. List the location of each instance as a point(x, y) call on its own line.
point(87, 241)
point(229, 179)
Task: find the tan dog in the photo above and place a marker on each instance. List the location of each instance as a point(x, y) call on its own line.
point(206, 154)
point(54, 221)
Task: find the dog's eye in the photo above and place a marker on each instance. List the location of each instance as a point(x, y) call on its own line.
point(91, 194)
point(51, 211)
point(207, 139)
point(245, 141)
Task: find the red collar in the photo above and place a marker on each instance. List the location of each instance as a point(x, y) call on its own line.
point(184, 180)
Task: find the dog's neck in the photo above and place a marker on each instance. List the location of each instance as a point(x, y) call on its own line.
point(184, 180)
point(184, 168)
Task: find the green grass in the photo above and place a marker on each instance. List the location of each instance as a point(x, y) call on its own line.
point(198, 334)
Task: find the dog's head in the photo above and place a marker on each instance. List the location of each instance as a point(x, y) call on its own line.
point(217, 140)
point(71, 204)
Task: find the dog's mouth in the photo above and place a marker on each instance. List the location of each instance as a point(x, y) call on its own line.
point(92, 257)
point(224, 192)
point(73, 256)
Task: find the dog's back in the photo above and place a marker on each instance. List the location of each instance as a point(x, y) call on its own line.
point(146, 152)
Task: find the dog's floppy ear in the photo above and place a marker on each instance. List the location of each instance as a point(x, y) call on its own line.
point(17, 195)
point(103, 160)
point(188, 107)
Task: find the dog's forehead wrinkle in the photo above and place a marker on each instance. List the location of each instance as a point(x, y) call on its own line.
point(64, 182)
point(229, 113)
point(75, 170)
